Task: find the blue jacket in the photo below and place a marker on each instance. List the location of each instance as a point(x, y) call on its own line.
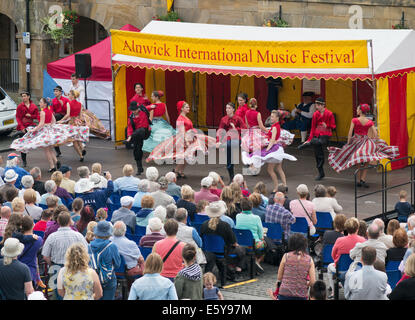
point(110, 257)
point(20, 172)
point(98, 198)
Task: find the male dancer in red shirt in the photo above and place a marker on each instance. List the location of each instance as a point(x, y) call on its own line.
point(321, 126)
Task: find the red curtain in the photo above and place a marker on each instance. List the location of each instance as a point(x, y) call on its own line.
point(133, 76)
point(218, 91)
point(261, 95)
point(175, 91)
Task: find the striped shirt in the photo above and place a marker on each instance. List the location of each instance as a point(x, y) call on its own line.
point(58, 242)
point(278, 214)
point(150, 239)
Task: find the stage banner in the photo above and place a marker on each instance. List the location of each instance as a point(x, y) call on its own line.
point(259, 54)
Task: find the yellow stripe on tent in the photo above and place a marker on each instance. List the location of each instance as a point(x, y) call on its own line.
point(383, 111)
point(410, 113)
point(242, 84)
point(120, 104)
point(290, 93)
point(155, 80)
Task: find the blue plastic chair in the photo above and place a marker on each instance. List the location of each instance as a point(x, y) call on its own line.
point(43, 206)
point(394, 274)
point(342, 266)
point(39, 233)
point(145, 251)
point(140, 231)
point(326, 255)
point(275, 232)
point(176, 198)
point(324, 222)
point(135, 209)
point(128, 193)
point(300, 226)
point(245, 238)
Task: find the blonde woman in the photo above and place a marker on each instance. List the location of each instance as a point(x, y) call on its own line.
point(77, 281)
point(90, 231)
point(227, 196)
point(188, 201)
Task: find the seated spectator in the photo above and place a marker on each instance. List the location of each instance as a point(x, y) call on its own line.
point(189, 234)
point(45, 217)
point(53, 225)
point(366, 283)
point(152, 175)
point(87, 215)
point(153, 286)
point(204, 193)
point(101, 215)
point(12, 163)
point(77, 206)
point(96, 169)
point(143, 187)
point(142, 216)
point(83, 173)
point(134, 261)
point(410, 227)
point(125, 214)
point(232, 209)
point(52, 202)
point(383, 237)
point(373, 241)
point(5, 213)
point(380, 266)
point(9, 196)
point(261, 188)
point(170, 211)
point(201, 206)
point(64, 195)
point(393, 225)
point(362, 229)
point(95, 178)
point(237, 195)
point(161, 213)
point(31, 208)
point(18, 206)
point(404, 290)
point(173, 189)
point(257, 205)
point(187, 201)
point(90, 236)
point(189, 282)
point(67, 183)
point(96, 198)
point(76, 280)
point(248, 221)
point(15, 278)
point(403, 207)
point(400, 242)
point(330, 236)
point(276, 213)
point(9, 186)
point(27, 184)
point(155, 225)
point(224, 217)
point(38, 185)
point(50, 187)
point(304, 208)
point(128, 182)
point(239, 179)
point(216, 180)
point(323, 203)
point(174, 263)
point(161, 198)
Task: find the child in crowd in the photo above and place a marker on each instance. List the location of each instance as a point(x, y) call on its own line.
point(403, 208)
point(210, 292)
point(318, 291)
point(44, 218)
point(90, 231)
point(101, 215)
point(200, 207)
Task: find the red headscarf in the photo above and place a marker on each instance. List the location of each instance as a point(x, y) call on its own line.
point(365, 108)
point(180, 105)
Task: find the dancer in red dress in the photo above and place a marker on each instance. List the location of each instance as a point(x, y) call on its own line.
point(362, 148)
point(59, 104)
point(26, 114)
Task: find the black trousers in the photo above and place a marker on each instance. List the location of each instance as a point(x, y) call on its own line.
point(320, 144)
point(58, 116)
point(137, 138)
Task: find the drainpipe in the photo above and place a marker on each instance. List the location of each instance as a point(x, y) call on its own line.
point(28, 45)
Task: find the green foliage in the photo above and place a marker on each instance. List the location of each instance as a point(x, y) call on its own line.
point(275, 22)
point(170, 16)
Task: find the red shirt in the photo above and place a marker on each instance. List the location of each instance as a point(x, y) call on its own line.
point(174, 263)
point(159, 109)
point(361, 129)
point(140, 100)
point(343, 245)
point(24, 121)
point(225, 126)
point(269, 133)
point(240, 112)
point(252, 118)
point(184, 121)
point(40, 226)
point(140, 121)
point(317, 129)
point(48, 115)
point(59, 106)
point(75, 108)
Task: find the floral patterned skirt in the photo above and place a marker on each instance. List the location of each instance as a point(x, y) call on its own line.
point(51, 135)
point(87, 118)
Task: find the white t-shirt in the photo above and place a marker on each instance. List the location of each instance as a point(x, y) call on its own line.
point(80, 88)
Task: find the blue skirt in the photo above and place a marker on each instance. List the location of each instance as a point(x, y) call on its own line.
point(160, 131)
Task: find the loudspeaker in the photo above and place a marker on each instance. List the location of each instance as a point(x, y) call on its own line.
point(83, 65)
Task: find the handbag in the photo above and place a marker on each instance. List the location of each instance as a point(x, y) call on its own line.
point(138, 270)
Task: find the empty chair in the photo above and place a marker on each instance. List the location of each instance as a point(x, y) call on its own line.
point(324, 222)
point(275, 232)
point(394, 274)
point(300, 226)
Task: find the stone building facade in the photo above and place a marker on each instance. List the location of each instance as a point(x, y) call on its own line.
point(113, 14)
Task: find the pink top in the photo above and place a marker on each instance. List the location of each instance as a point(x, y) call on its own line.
point(218, 192)
point(159, 109)
point(361, 129)
point(294, 278)
point(298, 211)
point(205, 195)
point(252, 118)
point(174, 262)
point(343, 245)
point(181, 120)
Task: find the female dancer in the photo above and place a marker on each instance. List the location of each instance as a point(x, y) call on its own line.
point(48, 134)
point(229, 133)
point(183, 146)
point(73, 111)
point(273, 153)
point(139, 97)
point(242, 105)
point(160, 128)
point(362, 147)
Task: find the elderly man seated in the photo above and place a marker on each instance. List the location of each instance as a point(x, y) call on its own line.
point(173, 189)
point(128, 182)
point(155, 226)
point(128, 249)
point(204, 193)
point(27, 183)
point(125, 214)
point(161, 198)
point(50, 187)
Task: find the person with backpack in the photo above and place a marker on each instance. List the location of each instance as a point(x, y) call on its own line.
point(105, 258)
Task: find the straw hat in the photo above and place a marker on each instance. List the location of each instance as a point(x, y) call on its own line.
point(215, 209)
point(12, 248)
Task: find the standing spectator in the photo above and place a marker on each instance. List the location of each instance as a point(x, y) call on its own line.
point(304, 208)
point(170, 249)
point(403, 207)
point(67, 183)
point(109, 259)
point(173, 189)
point(373, 241)
point(27, 184)
point(216, 180)
point(296, 271)
point(257, 205)
point(38, 185)
point(204, 193)
point(128, 182)
point(44, 218)
point(210, 292)
point(227, 196)
point(153, 286)
point(187, 201)
point(87, 215)
point(383, 237)
point(77, 206)
point(400, 242)
point(31, 208)
point(366, 283)
point(161, 198)
point(125, 214)
point(96, 198)
point(323, 203)
point(155, 226)
point(404, 290)
point(15, 278)
point(5, 213)
point(76, 280)
point(146, 212)
point(188, 282)
point(50, 187)
point(143, 187)
point(277, 213)
point(13, 164)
